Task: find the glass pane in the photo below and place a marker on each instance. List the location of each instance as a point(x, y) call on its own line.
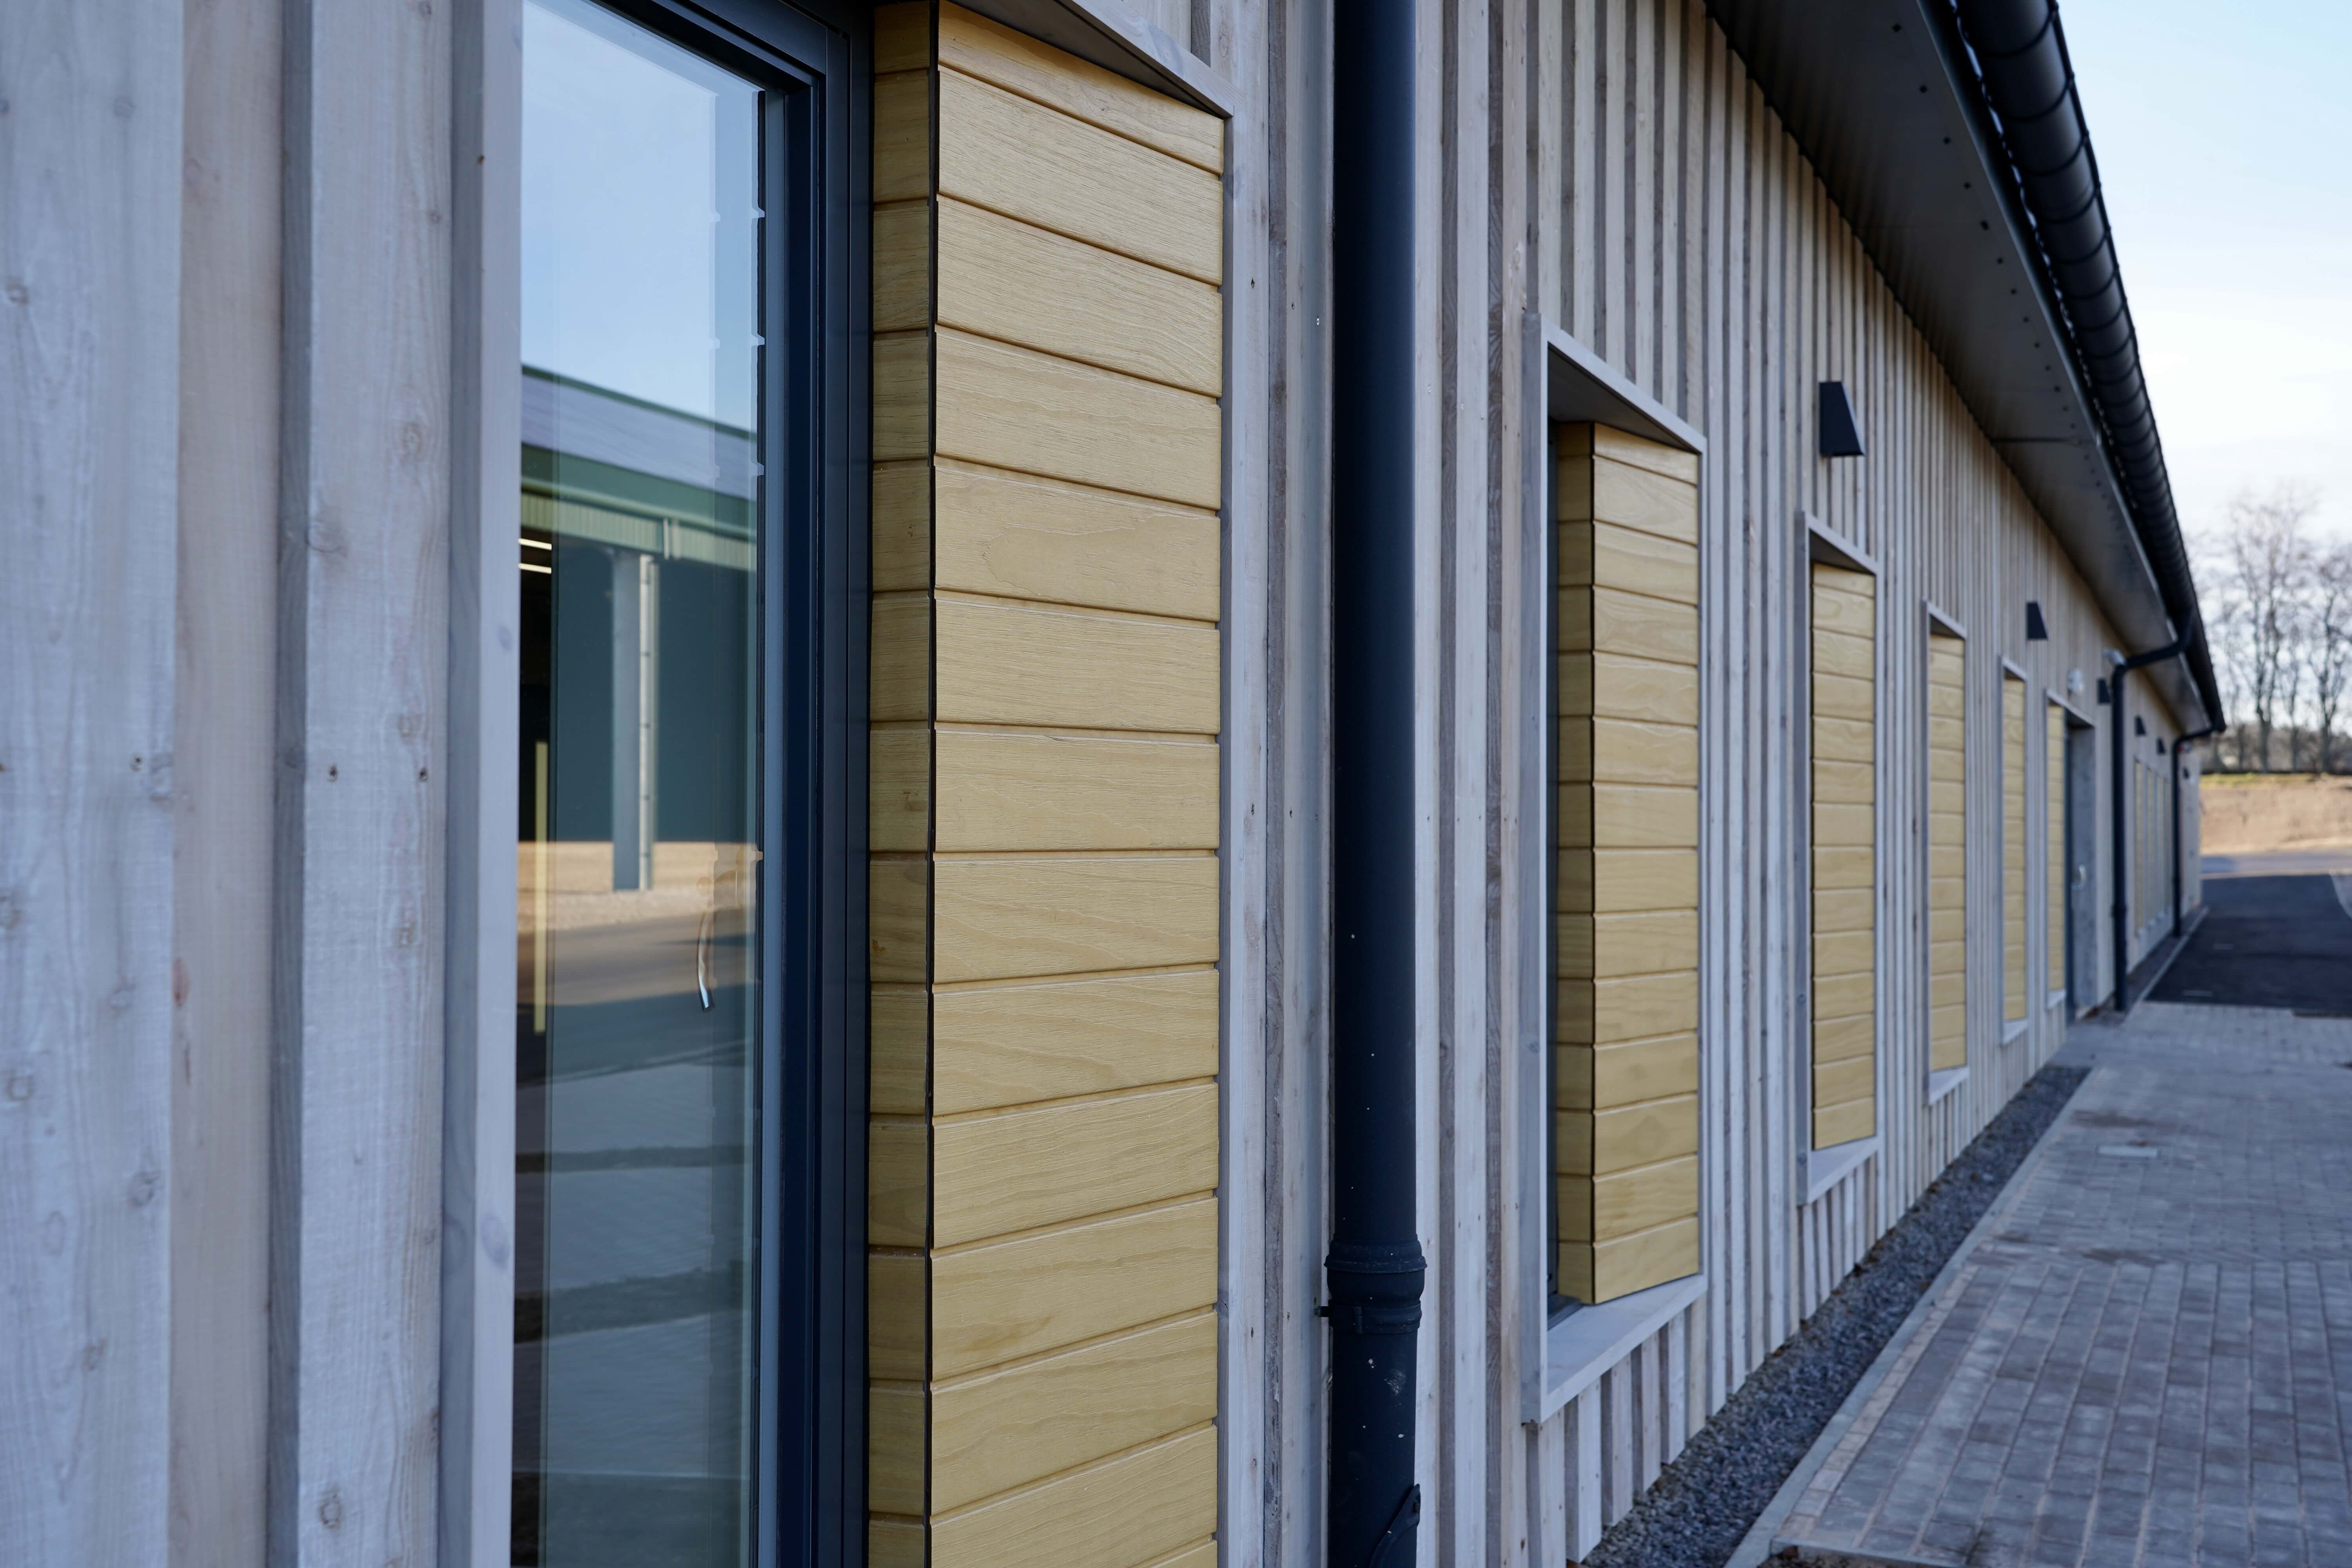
point(638, 841)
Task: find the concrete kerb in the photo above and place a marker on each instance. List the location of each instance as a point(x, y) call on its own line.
point(1756, 1548)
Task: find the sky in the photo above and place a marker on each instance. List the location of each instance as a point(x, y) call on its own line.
point(2224, 141)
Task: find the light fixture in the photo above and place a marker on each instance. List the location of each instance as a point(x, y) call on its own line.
point(1841, 432)
point(2036, 630)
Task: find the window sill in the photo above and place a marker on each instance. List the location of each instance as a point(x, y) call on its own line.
point(1825, 1168)
point(1587, 1342)
point(2014, 1030)
point(1940, 1084)
point(2057, 998)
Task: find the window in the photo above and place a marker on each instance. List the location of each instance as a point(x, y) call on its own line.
point(687, 1069)
point(1844, 850)
point(1947, 849)
point(2054, 849)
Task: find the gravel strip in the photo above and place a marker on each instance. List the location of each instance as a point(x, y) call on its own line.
point(1707, 1500)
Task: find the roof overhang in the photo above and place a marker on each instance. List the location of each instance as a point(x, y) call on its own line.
point(1878, 94)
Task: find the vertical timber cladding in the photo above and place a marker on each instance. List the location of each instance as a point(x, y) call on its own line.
point(1947, 852)
point(2012, 848)
point(2053, 846)
point(1846, 854)
point(1627, 1101)
point(1047, 702)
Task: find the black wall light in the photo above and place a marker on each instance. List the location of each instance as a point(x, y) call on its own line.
point(1841, 432)
point(2140, 726)
point(2036, 628)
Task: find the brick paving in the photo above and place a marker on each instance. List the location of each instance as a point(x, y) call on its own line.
point(2143, 1355)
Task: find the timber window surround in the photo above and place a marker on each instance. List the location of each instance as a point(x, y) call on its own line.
point(1844, 843)
point(1948, 847)
point(1045, 717)
point(2016, 1005)
point(1626, 925)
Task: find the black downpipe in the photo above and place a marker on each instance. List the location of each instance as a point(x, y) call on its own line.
point(2119, 817)
point(2019, 51)
point(1375, 1267)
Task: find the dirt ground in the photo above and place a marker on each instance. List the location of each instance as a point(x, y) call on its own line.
point(2244, 813)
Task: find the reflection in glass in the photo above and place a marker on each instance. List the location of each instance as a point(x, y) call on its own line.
point(638, 837)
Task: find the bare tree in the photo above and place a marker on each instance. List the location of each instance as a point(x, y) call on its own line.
point(2331, 651)
point(2268, 570)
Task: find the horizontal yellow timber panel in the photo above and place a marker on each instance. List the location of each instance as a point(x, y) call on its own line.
point(897, 1184)
point(1201, 1554)
point(1624, 882)
point(1839, 1124)
point(897, 1543)
point(1021, 64)
point(899, 677)
point(1947, 986)
point(1590, 1077)
point(1603, 490)
point(1947, 918)
point(901, 525)
point(902, 37)
point(1844, 784)
point(1606, 1142)
point(2054, 860)
point(1843, 740)
point(1013, 407)
point(1604, 1012)
point(1015, 156)
point(1612, 946)
point(1007, 1299)
point(1844, 995)
point(902, 267)
point(902, 396)
point(1949, 862)
point(897, 1319)
point(1601, 554)
point(1012, 1045)
point(1023, 1169)
point(1946, 701)
point(1834, 1039)
point(1027, 664)
point(1612, 1268)
point(902, 136)
point(899, 1054)
point(1836, 1083)
point(1614, 621)
point(1022, 537)
point(1628, 817)
point(1837, 867)
point(1828, 579)
point(1609, 686)
point(1843, 614)
point(1843, 696)
point(1854, 657)
point(1948, 1035)
point(897, 920)
point(997, 1430)
point(1602, 1208)
point(1028, 285)
point(1014, 919)
point(1004, 790)
point(1844, 827)
point(893, 1447)
point(1843, 953)
point(1947, 797)
point(1946, 737)
point(1143, 1504)
point(1627, 751)
point(1844, 908)
point(1602, 440)
point(899, 789)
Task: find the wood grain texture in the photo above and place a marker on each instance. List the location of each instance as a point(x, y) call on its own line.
point(1002, 663)
point(1130, 1508)
point(1012, 408)
point(898, 1315)
point(1008, 790)
point(1948, 836)
point(901, 526)
point(902, 136)
point(1004, 919)
point(2054, 846)
point(1001, 1300)
point(1017, 157)
point(1844, 688)
point(897, 1418)
point(1012, 1044)
point(1019, 64)
point(902, 265)
point(902, 396)
point(1018, 1170)
point(996, 1430)
point(1020, 536)
point(2015, 1003)
point(1010, 280)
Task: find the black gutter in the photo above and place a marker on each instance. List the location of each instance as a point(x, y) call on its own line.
point(2022, 67)
point(1375, 1267)
point(2119, 817)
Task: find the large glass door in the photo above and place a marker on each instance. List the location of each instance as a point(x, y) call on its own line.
point(674, 472)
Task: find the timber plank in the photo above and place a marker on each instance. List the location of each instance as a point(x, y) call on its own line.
point(1034, 664)
point(1034, 69)
point(1006, 918)
point(1021, 536)
point(1018, 1170)
point(1008, 790)
point(1005, 1300)
point(1141, 1504)
point(1013, 1044)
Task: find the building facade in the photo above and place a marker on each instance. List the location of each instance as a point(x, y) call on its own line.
point(676, 793)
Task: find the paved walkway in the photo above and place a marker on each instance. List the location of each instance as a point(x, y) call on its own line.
point(2143, 1355)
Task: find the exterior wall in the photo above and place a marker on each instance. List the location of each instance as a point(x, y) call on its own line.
point(1045, 827)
